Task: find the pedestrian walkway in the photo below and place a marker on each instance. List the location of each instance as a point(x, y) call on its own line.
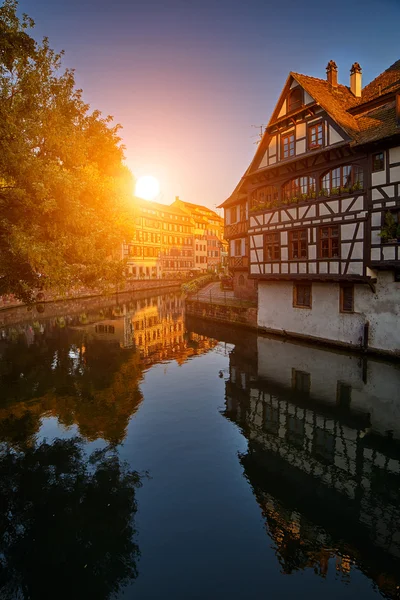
point(213, 293)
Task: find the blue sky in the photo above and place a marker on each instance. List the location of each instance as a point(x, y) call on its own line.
point(188, 80)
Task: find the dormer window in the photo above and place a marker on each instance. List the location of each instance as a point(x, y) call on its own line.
point(315, 136)
point(295, 99)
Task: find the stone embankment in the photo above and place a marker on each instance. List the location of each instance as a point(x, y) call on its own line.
point(9, 301)
point(214, 304)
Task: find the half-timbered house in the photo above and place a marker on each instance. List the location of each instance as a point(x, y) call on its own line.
point(314, 222)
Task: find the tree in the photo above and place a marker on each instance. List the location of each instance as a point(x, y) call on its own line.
point(67, 522)
point(65, 193)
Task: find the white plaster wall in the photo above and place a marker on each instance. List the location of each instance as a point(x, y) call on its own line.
point(307, 98)
point(382, 310)
point(300, 147)
point(378, 396)
point(324, 320)
point(394, 155)
point(394, 174)
point(378, 178)
point(300, 130)
point(264, 162)
point(334, 136)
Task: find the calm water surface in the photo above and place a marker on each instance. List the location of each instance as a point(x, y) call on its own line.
point(145, 456)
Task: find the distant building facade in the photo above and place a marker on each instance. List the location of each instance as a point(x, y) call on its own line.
point(163, 242)
point(208, 235)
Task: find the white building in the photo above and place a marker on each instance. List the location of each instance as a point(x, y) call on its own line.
point(315, 220)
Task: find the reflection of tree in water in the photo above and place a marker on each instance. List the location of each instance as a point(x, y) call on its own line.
point(66, 522)
point(66, 374)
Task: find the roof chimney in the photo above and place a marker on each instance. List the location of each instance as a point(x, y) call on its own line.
point(177, 198)
point(355, 80)
point(331, 73)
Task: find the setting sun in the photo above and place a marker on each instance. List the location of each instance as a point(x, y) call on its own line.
point(147, 187)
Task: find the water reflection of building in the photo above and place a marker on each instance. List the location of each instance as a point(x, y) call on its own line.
point(323, 457)
point(159, 332)
point(85, 369)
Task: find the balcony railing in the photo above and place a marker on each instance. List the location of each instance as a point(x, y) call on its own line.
point(237, 262)
point(238, 228)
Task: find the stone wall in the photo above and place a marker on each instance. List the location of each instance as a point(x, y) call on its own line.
point(237, 315)
point(243, 287)
point(10, 301)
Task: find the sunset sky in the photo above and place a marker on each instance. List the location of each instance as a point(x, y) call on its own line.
point(188, 80)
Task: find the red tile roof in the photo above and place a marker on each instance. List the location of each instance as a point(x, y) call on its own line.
point(377, 124)
point(362, 125)
point(334, 100)
point(386, 82)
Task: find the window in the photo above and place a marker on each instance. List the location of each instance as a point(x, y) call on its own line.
point(324, 446)
point(347, 298)
point(302, 295)
point(271, 419)
point(315, 136)
point(298, 189)
point(329, 242)
point(264, 197)
point(233, 214)
point(238, 247)
point(241, 280)
point(301, 381)
point(287, 145)
point(272, 246)
point(298, 244)
point(343, 179)
point(378, 162)
point(295, 431)
point(343, 395)
point(295, 99)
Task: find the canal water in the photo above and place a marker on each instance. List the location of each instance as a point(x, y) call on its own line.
point(147, 456)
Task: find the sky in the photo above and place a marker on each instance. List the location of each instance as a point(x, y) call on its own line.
point(191, 81)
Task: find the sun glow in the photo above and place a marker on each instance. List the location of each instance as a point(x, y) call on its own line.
point(147, 187)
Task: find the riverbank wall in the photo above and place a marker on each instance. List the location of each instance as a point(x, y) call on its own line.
point(42, 311)
point(9, 302)
point(241, 314)
point(232, 313)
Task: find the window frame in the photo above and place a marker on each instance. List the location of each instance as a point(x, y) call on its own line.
point(341, 182)
point(272, 245)
point(373, 162)
point(343, 286)
point(330, 238)
point(265, 194)
point(289, 190)
point(285, 136)
point(290, 242)
point(296, 295)
point(235, 247)
point(298, 103)
point(311, 126)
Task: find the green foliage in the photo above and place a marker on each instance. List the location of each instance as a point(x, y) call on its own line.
point(65, 194)
point(191, 287)
point(390, 229)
